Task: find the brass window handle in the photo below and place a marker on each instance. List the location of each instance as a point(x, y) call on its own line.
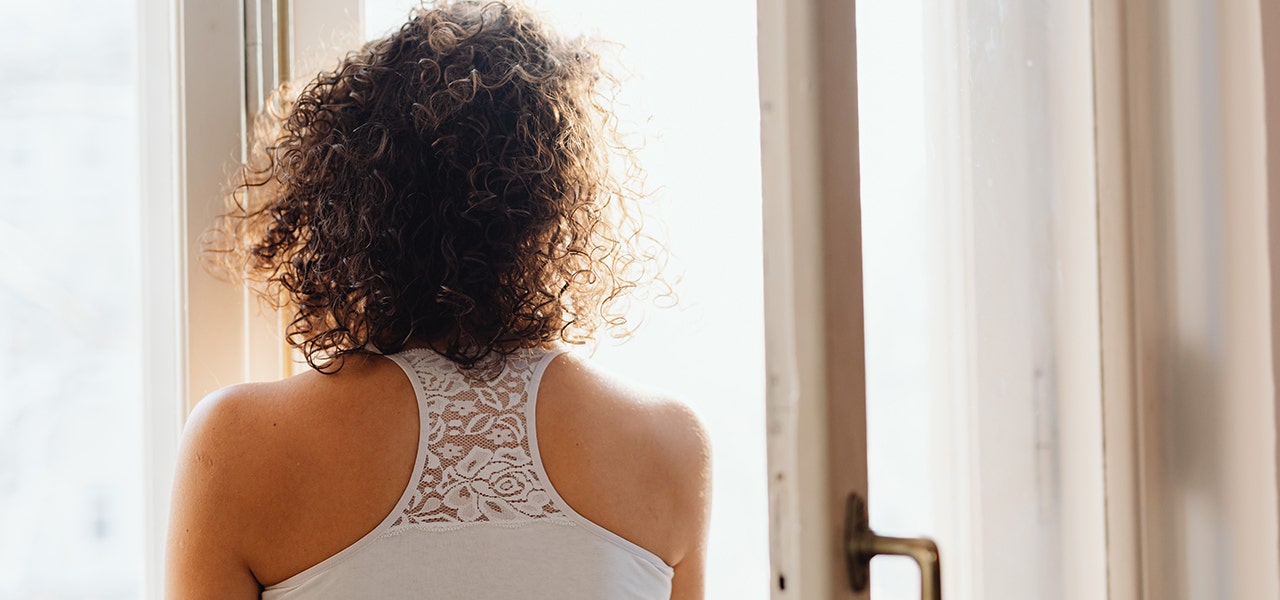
point(862, 544)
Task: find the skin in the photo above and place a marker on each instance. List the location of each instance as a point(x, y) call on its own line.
point(273, 478)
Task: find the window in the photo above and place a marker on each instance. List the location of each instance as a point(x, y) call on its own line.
point(980, 258)
point(71, 425)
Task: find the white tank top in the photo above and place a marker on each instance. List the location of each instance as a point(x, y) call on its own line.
point(481, 519)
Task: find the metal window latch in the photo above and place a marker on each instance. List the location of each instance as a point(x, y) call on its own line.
point(861, 544)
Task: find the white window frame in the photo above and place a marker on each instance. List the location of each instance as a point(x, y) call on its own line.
point(813, 283)
point(164, 356)
point(1270, 18)
point(1144, 167)
point(968, 393)
point(813, 297)
point(1113, 422)
point(205, 68)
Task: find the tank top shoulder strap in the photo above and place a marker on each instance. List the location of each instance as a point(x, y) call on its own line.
point(541, 359)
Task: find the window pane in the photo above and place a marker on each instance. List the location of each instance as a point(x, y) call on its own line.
point(898, 283)
point(70, 403)
point(696, 104)
point(967, 149)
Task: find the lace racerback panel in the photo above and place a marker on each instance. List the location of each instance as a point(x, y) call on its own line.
point(478, 466)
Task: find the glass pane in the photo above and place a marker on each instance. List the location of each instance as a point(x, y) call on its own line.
point(897, 282)
point(71, 464)
point(700, 121)
point(964, 155)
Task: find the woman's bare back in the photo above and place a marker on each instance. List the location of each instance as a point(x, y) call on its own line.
point(276, 477)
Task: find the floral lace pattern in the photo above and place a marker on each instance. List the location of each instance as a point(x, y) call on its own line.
point(478, 466)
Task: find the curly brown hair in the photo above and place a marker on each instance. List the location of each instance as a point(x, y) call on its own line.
point(460, 183)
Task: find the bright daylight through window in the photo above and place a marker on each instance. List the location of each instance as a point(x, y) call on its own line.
point(71, 468)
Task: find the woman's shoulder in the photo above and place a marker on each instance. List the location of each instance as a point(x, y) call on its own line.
point(277, 431)
point(273, 458)
point(306, 393)
point(254, 423)
point(635, 462)
point(621, 416)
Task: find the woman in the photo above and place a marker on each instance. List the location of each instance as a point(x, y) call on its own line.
point(442, 214)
